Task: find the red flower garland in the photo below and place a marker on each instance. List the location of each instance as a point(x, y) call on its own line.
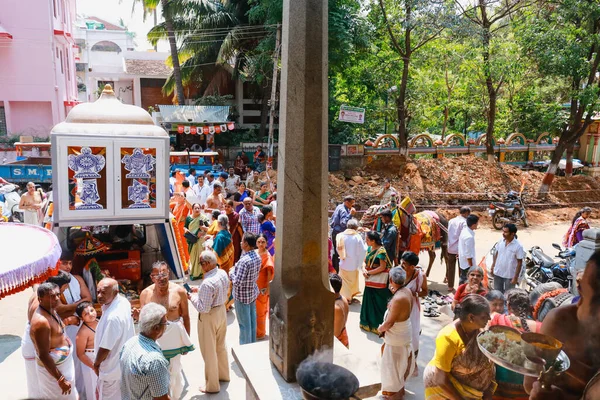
point(545, 296)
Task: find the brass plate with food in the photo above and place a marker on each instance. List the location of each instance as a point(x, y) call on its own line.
point(502, 345)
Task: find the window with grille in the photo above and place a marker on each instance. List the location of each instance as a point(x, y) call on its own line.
point(3, 130)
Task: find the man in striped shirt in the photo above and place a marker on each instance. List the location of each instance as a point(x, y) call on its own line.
point(209, 299)
point(245, 290)
point(144, 369)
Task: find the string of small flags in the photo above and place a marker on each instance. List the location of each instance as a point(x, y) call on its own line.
point(206, 129)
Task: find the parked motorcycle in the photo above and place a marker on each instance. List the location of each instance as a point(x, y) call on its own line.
point(541, 268)
point(512, 210)
point(9, 201)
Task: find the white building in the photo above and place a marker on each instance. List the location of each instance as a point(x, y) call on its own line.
point(106, 55)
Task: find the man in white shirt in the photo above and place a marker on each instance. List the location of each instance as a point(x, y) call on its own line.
point(455, 227)
point(202, 190)
point(113, 330)
point(508, 260)
point(466, 248)
point(191, 178)
point(385, 195)
point(210, 180)
point(250, 174)
point(232, 182)
point(351, 249)
point(173, 179)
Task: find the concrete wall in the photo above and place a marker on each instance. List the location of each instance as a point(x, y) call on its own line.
point(37, 72)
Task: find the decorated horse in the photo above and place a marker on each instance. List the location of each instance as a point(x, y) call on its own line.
point(416, 231)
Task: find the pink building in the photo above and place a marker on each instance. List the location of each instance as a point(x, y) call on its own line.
point(37, 67)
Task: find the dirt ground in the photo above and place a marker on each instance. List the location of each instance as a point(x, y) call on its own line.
point(446, 184)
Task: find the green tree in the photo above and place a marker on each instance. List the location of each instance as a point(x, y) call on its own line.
point(489, 19)
point(410, 25)
point(170, 9)
point(564, 39)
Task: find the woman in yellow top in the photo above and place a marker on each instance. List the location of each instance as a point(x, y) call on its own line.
point(459, 370)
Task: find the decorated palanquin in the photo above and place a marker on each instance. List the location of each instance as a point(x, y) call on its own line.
point(110, 162)
point(110, 171)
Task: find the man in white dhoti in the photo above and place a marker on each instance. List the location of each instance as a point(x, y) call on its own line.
point(398, 361)
point(113, 330)
point(175, 341)
point(31, 204)
point(54, 350)
point(75, 294)
point(28, 349)
point(351, 249)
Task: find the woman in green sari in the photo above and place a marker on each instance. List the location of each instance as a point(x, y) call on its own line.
point(195, 225)
point(376, 295)
point(223, 245)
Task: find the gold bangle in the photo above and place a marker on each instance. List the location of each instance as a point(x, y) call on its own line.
point(61, 379)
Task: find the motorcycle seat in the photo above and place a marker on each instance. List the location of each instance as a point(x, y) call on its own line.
point(546, 260)
point(505, 205)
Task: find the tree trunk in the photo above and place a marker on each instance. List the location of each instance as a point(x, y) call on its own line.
point(489, 83)
point(264, 112)
point(179, 93)
point(569, 163)
point(552, 168)
point(445, 123)
point(401, 106)
point(489, 132)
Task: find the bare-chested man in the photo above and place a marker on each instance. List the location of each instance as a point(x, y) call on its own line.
point(175, 342)
point(31, 204)
point(578, 327)
point(27, 346)
point(216, 201)
point(53, 348)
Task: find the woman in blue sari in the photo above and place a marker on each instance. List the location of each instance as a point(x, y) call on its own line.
point(240, 195)
point(267, 227)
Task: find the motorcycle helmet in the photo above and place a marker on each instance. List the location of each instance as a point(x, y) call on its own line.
point(512, 195)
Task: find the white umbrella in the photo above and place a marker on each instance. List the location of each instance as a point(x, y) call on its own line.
point(29, 255)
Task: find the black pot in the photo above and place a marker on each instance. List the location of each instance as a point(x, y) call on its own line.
point(326, 381)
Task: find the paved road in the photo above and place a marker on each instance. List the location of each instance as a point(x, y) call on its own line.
point(13, 318)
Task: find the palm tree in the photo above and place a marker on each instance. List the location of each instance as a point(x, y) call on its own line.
point(216, 41)
point(170, 8)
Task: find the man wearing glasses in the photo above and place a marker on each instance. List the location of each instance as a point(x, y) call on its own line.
point(144, 369)
point(175, 341)
point(209, 299)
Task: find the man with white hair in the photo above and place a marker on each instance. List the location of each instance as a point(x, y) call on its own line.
point(144, 369)
point(249, 217)
point(351, 249)
point(209, 299)
point(175, 341)
point(114, 329)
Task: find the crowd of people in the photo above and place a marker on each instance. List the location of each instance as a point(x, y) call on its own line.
point(229, 226)
point(391, 308)
point(67, 350)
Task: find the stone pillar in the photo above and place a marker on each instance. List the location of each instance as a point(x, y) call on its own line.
point(301, 304)
point(587, 247)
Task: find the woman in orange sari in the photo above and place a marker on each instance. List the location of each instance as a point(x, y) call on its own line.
point(265, 275)
point(180, 208)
